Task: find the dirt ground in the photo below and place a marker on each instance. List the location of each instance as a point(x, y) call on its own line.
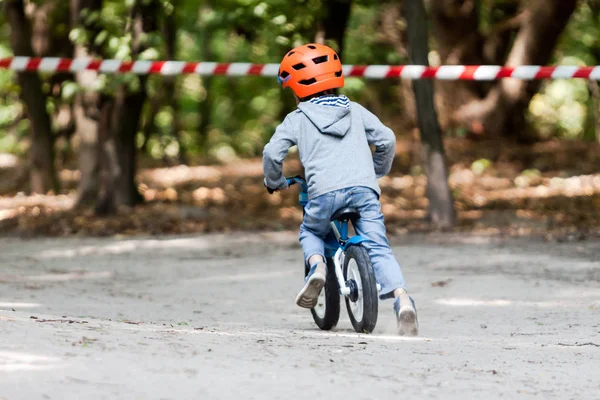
point(213, 317)
point(549, 189)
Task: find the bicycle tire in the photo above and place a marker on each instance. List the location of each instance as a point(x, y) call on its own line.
point(327, 312)
point(364, 310)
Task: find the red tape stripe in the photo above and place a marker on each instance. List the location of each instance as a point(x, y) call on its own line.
point(189, 68)
point(64, 64)
point(256, 69)
point(429, 73)
point(357, 70)
point(156, 67)
point(469, 73)
point(505, 72)
point(126, 66)
point(33, 64)
point(395, 71)
point(583, 72)
point(221, 69)
point(5, 62)
point(545, 73)
point(94, 65)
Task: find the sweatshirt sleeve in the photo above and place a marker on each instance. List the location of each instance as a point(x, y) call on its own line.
point(382, 138)
point(275, 152)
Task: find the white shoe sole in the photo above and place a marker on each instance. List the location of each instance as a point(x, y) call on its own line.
point(309, 295)
point(408, 325)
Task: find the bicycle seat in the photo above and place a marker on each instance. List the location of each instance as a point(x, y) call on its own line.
point(345, 214)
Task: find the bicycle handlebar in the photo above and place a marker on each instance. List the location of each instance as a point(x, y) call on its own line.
point(293, 180)
point(298, 180)
point(303, 196)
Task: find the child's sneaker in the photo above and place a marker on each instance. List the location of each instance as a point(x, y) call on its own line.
point(406, 315)
point(314, 282)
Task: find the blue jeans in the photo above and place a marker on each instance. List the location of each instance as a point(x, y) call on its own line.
point(316, 224)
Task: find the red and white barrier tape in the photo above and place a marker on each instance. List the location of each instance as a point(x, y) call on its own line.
point(448, 72)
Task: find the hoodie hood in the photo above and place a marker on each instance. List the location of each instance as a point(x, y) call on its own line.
point(330, 114)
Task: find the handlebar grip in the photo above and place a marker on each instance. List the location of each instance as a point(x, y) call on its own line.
point(294, 180)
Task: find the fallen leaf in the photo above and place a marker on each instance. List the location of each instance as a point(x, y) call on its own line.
point(441, 283)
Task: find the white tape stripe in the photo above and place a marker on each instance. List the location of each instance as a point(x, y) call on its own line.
point(412, 72)
point(238, 69)
point(487, 72)
point(565, 71)
point(376, 71)
point(110, 66)
point(79, 64)
point(19, 63)
point(172, 67)
point(141, 67)
point(595, 75)
point(526, 72)
point(49, 64)
point(347, 69)
point(270, 70)
point(206, 68)
point(450, 72)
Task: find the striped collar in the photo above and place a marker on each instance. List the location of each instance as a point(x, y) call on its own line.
point(333, 101)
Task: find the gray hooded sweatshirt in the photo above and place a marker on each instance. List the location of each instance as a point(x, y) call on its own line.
point(333, 137)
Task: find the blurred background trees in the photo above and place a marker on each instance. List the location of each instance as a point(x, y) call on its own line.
point(105, 126)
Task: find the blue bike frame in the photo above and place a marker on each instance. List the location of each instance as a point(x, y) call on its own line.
point(338, 235)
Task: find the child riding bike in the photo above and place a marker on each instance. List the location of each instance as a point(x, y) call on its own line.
point(333, 136)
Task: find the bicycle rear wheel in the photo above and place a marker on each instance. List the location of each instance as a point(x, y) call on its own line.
point(326, 313)
point(362, 303)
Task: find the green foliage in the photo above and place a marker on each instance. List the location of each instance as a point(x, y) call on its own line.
point(480, 166)
point(240, 114)
point(11, 109)
point(562, 108)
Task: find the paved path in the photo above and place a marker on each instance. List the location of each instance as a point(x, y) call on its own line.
point(213, 317)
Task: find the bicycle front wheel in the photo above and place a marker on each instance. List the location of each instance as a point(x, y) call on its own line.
point(362, 303)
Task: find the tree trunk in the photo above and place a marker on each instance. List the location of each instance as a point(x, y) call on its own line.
point(88, 162)
point(336, 22)
point(333, 28)
point(124, 126)
point(441, 207)
point(503, 110)
point(43, 176)
point(150, 127)
point(127, 111)
point(46, 39)
point(170, 34)
point(49, 41)
point(461, 41)
point(456, 30)
point(88, 106)
point(106, 157)
point(205, 106)
point(592, 132)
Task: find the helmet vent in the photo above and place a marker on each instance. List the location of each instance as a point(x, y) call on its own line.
point(321, 59)
point(299, 66)
point(307, 82)
point(284, 74)
point(338, 74)
point(335, 57)
point(310, 46)
point(290, 53)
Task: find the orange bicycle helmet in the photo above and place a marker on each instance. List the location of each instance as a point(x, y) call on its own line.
point(310, 69)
